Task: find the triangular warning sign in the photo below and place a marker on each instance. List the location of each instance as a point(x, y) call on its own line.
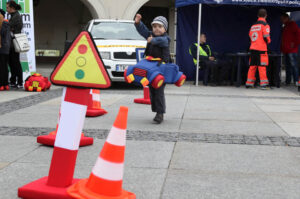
point(81, 66)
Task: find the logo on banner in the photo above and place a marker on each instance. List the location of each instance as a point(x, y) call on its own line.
point(25, 5)
point(218, 1)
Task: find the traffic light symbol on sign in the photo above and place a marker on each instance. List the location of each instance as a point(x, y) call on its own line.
point(81, 66)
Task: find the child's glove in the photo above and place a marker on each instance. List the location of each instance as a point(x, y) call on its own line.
point(138, 18)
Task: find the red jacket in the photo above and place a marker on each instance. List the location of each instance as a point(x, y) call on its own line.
point(289, 41)
point(260, 35)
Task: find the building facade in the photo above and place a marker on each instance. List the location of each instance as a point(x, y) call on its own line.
point(59, 20)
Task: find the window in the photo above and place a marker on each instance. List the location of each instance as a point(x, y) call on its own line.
point(115, 31)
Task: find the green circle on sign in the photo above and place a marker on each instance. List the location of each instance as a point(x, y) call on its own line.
point(79, 74)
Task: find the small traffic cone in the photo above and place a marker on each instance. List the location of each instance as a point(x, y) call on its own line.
point(94, 106)
point(146, 99)
point(54, 186)
point(49, 139)
point(105, 181)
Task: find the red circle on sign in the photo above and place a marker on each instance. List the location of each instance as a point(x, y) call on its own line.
point(82, 49)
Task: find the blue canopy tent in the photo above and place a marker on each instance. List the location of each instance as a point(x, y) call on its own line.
point(226, 24)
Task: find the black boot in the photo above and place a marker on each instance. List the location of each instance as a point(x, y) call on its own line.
point(159, 118)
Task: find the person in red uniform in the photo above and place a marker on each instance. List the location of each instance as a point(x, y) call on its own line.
point(260, 38)
point(289, 47)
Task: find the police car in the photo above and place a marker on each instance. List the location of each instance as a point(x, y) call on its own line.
point(116, 41)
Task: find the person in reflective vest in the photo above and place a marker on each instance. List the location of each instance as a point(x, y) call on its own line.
point(212, 66)
point(202, 53)
point(260, 38)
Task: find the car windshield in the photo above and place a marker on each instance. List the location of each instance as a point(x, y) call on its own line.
point(115, 31)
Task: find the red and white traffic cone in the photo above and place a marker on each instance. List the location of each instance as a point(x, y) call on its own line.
point(105, 181)
point(94, 107)
point(50, 138)
point(146, 99)
point(54, 186)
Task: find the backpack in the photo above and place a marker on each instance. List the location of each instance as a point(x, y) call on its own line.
point(37, 82)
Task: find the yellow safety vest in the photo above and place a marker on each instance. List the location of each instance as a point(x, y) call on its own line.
point(201, 52)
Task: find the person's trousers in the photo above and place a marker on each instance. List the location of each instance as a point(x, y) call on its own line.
point(210, 69)
point(216, 70)
point(291, 68)
point(15, 67)
point(262, 76)
point(3, 70)
point(158, 101)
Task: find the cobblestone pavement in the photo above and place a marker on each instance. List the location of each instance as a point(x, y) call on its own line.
point(20, 103)
point(168, 136)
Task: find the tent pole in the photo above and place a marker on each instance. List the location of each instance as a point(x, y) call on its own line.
point(198, 41)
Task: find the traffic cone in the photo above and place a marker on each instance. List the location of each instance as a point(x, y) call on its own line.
point(105, 181)
point(50, 138)
point(146, 99)
point(94, 106)
point(54, 186)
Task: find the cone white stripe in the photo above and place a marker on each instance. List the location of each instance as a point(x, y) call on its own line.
point(70, 125)
point(108, 170)
point(117, 136)
point(62, 99)
point(96, 97)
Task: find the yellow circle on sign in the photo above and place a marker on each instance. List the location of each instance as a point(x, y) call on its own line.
point(81, 61)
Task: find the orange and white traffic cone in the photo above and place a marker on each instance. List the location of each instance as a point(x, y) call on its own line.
point(105, 181)
point(94, 107)
point(50, 138)
point(146, 99)
point(54, 186)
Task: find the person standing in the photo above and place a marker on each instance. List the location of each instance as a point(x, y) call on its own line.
point(289, 47)
point(16, 25)
point(158, 46)
point(5, 42)
point(260, 38)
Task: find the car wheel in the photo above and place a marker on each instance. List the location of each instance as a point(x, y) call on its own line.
point(181, 81)
point(158, 81)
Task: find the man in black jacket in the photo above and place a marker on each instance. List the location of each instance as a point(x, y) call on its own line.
point(16, 25)
point(4, 51)
point(215, 68)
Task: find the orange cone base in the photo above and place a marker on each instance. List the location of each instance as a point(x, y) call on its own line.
point(142, 101)
point(79, 191)
point(50, 139)
point(95, 112)
point(40, 190)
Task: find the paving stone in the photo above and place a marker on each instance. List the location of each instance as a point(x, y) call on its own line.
point(3, 164)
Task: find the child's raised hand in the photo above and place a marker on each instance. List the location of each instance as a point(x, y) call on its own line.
point(149, 39)
point(138, 18)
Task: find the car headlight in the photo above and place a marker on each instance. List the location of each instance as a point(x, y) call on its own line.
point(105, 55)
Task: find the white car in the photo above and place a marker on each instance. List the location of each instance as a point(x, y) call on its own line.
point(116, 41)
